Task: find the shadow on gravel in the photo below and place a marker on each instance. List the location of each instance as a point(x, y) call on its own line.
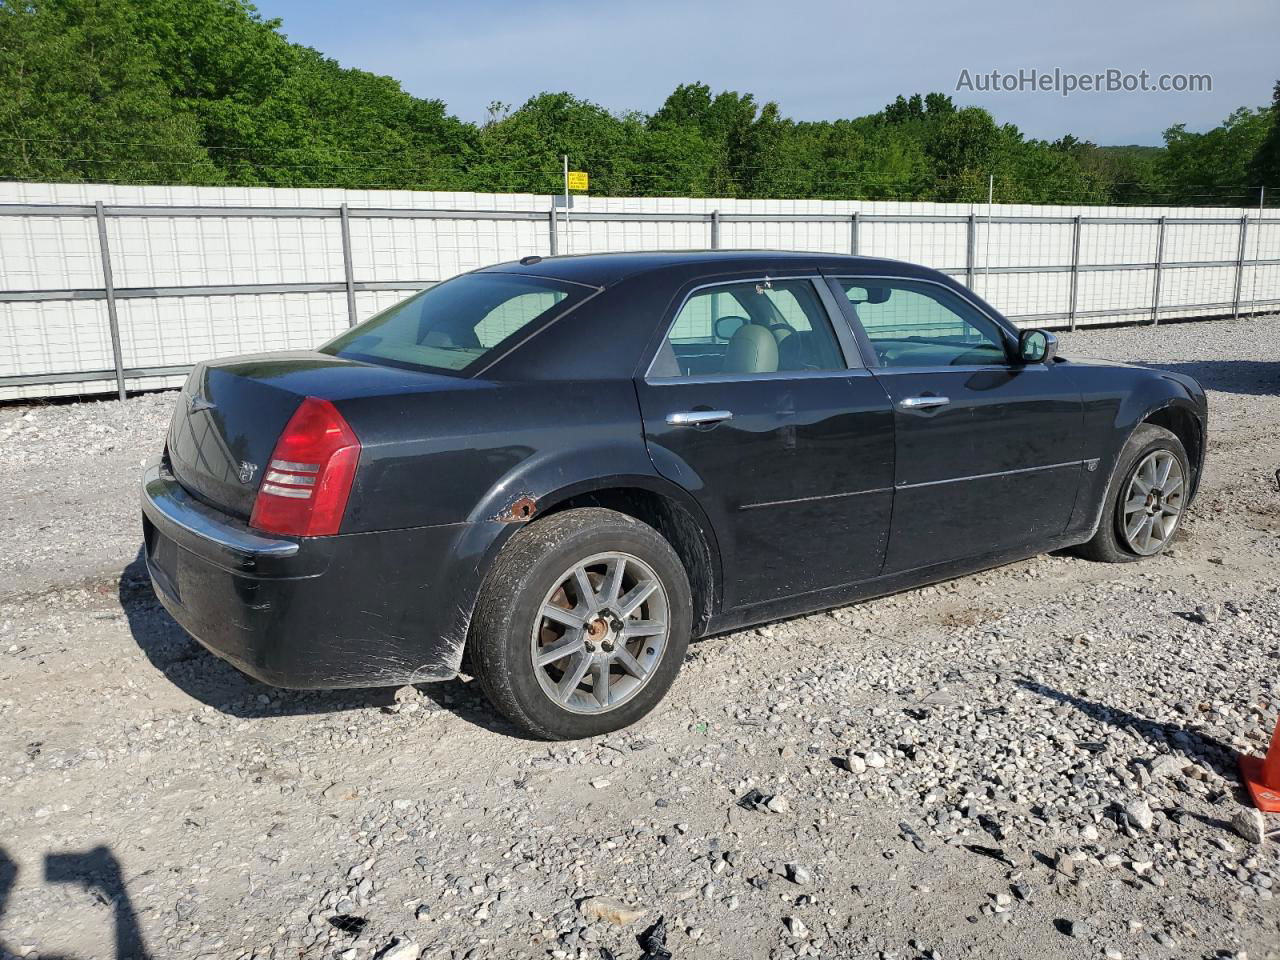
point(212, 681)
point(1204, 749)
point(97, 871)
point(1254, 378)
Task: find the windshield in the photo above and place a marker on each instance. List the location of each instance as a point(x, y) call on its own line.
point(456, 324)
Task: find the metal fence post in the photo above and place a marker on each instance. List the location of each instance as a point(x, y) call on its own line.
point(1244, 233)
point(853, 234)
point(1155, 293)
point(1075, 272)
point(1257, 249)
point(109, 286)
point(971, 247)
point(552, 227)
point(715, 229)
point(345, 219)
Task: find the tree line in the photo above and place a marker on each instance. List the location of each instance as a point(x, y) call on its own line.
point(210, 92)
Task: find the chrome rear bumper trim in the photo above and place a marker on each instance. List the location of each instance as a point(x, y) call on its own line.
point(166, 502)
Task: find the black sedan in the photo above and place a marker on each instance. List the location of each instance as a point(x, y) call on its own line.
point(558, 471)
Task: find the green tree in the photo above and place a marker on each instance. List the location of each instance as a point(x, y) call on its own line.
point(731, 129)
point(208, 91)
point(1212, 168)
point(83, 97)
point(281, 114)
point(1128, 174)
point(522, 151)
point(1264, 168)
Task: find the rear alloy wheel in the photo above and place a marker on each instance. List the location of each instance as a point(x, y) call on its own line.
point(582, 624)
point(1145, 500)
point(601, 633)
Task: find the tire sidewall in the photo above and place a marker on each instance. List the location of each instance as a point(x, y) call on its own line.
point(508, 648)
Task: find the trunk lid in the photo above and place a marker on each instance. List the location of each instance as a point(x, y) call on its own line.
point(231, 412)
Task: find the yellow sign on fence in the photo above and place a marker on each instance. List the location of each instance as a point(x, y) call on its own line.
point(577, 180)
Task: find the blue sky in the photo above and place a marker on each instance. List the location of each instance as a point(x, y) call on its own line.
point(820, 59)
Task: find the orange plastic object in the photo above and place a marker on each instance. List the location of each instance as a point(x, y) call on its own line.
point(1262, 775)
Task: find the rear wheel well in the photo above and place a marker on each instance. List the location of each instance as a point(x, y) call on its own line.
point(1182, 424)
point(675, 524)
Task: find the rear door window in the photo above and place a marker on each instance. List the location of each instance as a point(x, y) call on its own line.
point(754, 327)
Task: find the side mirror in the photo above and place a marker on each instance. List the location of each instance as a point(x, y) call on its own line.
point(1037, 346)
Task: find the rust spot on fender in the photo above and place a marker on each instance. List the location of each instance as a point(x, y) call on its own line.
point(518, 510)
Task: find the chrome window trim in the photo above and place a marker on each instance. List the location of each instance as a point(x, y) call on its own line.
point(743, 377)
point(961, 368)
point(1004, 325)
point(819, 284)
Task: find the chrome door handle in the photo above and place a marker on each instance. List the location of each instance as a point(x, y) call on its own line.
point(923, 403)
point(694, 418)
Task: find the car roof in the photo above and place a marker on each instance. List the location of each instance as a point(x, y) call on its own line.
point(607, 269)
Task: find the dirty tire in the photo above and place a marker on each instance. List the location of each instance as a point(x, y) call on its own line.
point(1108, 544)
point(510, 605)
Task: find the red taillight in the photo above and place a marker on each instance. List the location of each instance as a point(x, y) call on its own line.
point(305, 488)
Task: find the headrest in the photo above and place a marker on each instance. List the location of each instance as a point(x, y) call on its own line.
point(752, 349)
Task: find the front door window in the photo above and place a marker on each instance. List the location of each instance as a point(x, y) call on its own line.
point(914, 324)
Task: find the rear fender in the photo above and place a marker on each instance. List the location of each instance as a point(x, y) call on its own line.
point(543, 486)
point(531, 494)
point(537, 486)
point(550, 476)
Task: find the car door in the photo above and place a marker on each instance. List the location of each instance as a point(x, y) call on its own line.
point(988, 450)
point(751, 405)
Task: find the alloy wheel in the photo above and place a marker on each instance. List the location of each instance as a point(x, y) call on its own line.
point(1153, 503)
point(600, 633)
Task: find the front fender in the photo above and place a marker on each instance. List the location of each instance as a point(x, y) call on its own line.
point(1117, 400)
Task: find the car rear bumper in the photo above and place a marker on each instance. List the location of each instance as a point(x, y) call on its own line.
point(355, 610)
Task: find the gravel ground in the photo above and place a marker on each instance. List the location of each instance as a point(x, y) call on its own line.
point(1035, 762)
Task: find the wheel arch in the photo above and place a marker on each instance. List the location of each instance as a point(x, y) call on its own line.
point(669, 511)
point(1175, 414)
point(1185, 425)
point(649, 499)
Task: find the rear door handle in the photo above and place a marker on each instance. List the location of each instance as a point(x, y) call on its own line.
point(694, 418)
point(923, 403)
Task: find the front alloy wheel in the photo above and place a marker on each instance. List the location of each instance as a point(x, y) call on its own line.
point(1145, 500)
point(1153, 503)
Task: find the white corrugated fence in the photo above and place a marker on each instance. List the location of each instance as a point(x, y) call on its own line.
point(197, 272)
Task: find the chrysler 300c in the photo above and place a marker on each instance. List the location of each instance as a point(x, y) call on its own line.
point(554, 473)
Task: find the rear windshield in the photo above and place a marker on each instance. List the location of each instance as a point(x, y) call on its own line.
point(457, 324)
